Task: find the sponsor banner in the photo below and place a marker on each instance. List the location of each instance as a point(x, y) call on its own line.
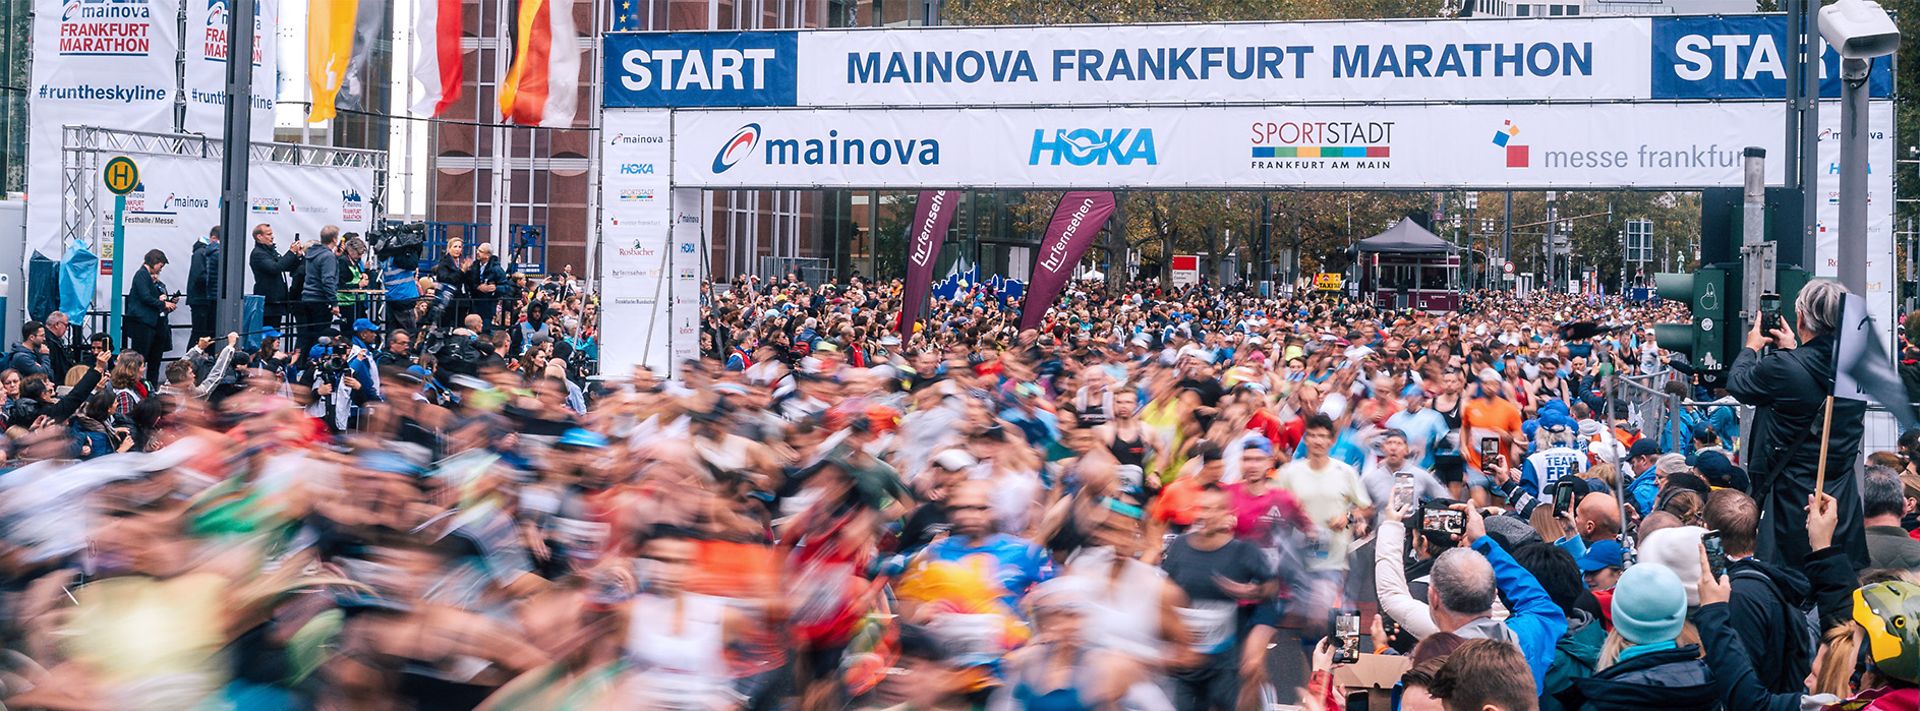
point(635, 242)
point(1650, 146)
point(95, 63)
point(207, 46)
point(1881, 287)
point(1600, 58)
point(688, 261)
point(1076, 220)
point(178, 200)
point(931, 215)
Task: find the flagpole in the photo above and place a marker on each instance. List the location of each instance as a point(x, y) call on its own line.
point(1826, 435)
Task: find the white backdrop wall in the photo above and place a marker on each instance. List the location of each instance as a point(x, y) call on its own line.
point(178, 201)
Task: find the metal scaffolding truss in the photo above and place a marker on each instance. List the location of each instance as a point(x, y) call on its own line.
point(86, 148)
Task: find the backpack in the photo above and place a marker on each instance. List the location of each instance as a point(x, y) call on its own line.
point(1802, 635)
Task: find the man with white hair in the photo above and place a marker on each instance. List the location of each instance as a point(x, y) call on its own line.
point(1787, 375)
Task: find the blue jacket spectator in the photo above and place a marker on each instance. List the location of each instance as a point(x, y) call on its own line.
point(1533, 618)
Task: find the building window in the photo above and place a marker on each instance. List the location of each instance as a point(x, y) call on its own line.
point(1554, 10)
point(1524, 10)
point(1573, 10)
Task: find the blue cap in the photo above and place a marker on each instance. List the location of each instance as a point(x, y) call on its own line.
point(361, 324)
point(1261, 443)
point(582, 437)
point(270, 332)
point(1413, 390)
point(1602, 554)
point(1644, 448)
point(317, 352)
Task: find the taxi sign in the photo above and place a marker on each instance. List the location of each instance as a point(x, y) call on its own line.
point(1327, 281)
point(121, 175)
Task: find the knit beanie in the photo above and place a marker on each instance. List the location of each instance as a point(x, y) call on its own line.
point(1677, 550)
point(1649, 605)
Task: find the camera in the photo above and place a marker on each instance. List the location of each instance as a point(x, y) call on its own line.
point(402, 243)
point(1859, 29)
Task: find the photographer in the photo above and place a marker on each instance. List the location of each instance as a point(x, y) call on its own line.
point(1787, 375)
point(144, 322)
point(332, 371)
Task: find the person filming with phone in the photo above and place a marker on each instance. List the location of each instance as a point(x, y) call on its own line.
point(1786, 374)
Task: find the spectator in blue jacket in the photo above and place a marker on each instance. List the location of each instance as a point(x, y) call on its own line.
point(1644, 486)
point(1462, 591)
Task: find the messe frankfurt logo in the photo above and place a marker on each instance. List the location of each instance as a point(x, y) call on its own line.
point(737, 147)
point(1516, 152)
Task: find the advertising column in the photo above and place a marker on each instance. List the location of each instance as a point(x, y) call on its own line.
point(636, 241)
point(105, 64)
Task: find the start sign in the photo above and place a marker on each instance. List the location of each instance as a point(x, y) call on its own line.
point(1327, 281)
point(121, 175)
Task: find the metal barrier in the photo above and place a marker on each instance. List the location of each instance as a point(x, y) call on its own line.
point(812, 270)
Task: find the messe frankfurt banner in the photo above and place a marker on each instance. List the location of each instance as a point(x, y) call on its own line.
point(1715, 58)
point(1655, 146)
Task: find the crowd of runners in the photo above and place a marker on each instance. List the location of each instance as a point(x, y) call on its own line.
point(1189, 500)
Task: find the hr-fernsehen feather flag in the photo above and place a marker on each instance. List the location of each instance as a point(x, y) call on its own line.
point(437, 41)
point(542, 88)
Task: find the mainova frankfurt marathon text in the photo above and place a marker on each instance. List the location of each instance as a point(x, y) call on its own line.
point(1473, 59)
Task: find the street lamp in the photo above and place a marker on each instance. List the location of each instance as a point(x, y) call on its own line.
point(1860, 30)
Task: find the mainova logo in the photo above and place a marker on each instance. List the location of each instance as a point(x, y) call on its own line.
point(1093, 146)
point(831, 149)
point(737, 147)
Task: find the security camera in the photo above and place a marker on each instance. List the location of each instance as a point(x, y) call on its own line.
point(1859, 29)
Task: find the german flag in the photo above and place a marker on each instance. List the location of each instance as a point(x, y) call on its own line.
point(542, 87)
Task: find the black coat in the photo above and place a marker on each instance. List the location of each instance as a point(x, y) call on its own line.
point(1674, 679)
point(1766, 606)
point(143, 302)
point(1788, 390)
point(270, 269)
point(203, 273)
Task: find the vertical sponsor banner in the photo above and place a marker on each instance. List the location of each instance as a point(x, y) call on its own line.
point(1881, 288)
point(931, 216)
point(634, 238)
point(97, 63)
point(689, 272)
point(207, 47)
point(1077, 218)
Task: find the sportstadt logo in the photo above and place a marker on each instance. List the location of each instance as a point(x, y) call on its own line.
point(737, 147)
point(1517, 156)
point(636, 196)
point(105, 28)
point(1307, 144)
point(264, 206)
point(1090, 146)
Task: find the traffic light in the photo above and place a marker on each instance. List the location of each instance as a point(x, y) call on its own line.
point(1703, 340)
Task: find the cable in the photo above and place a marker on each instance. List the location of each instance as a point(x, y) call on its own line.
point(455, 122)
